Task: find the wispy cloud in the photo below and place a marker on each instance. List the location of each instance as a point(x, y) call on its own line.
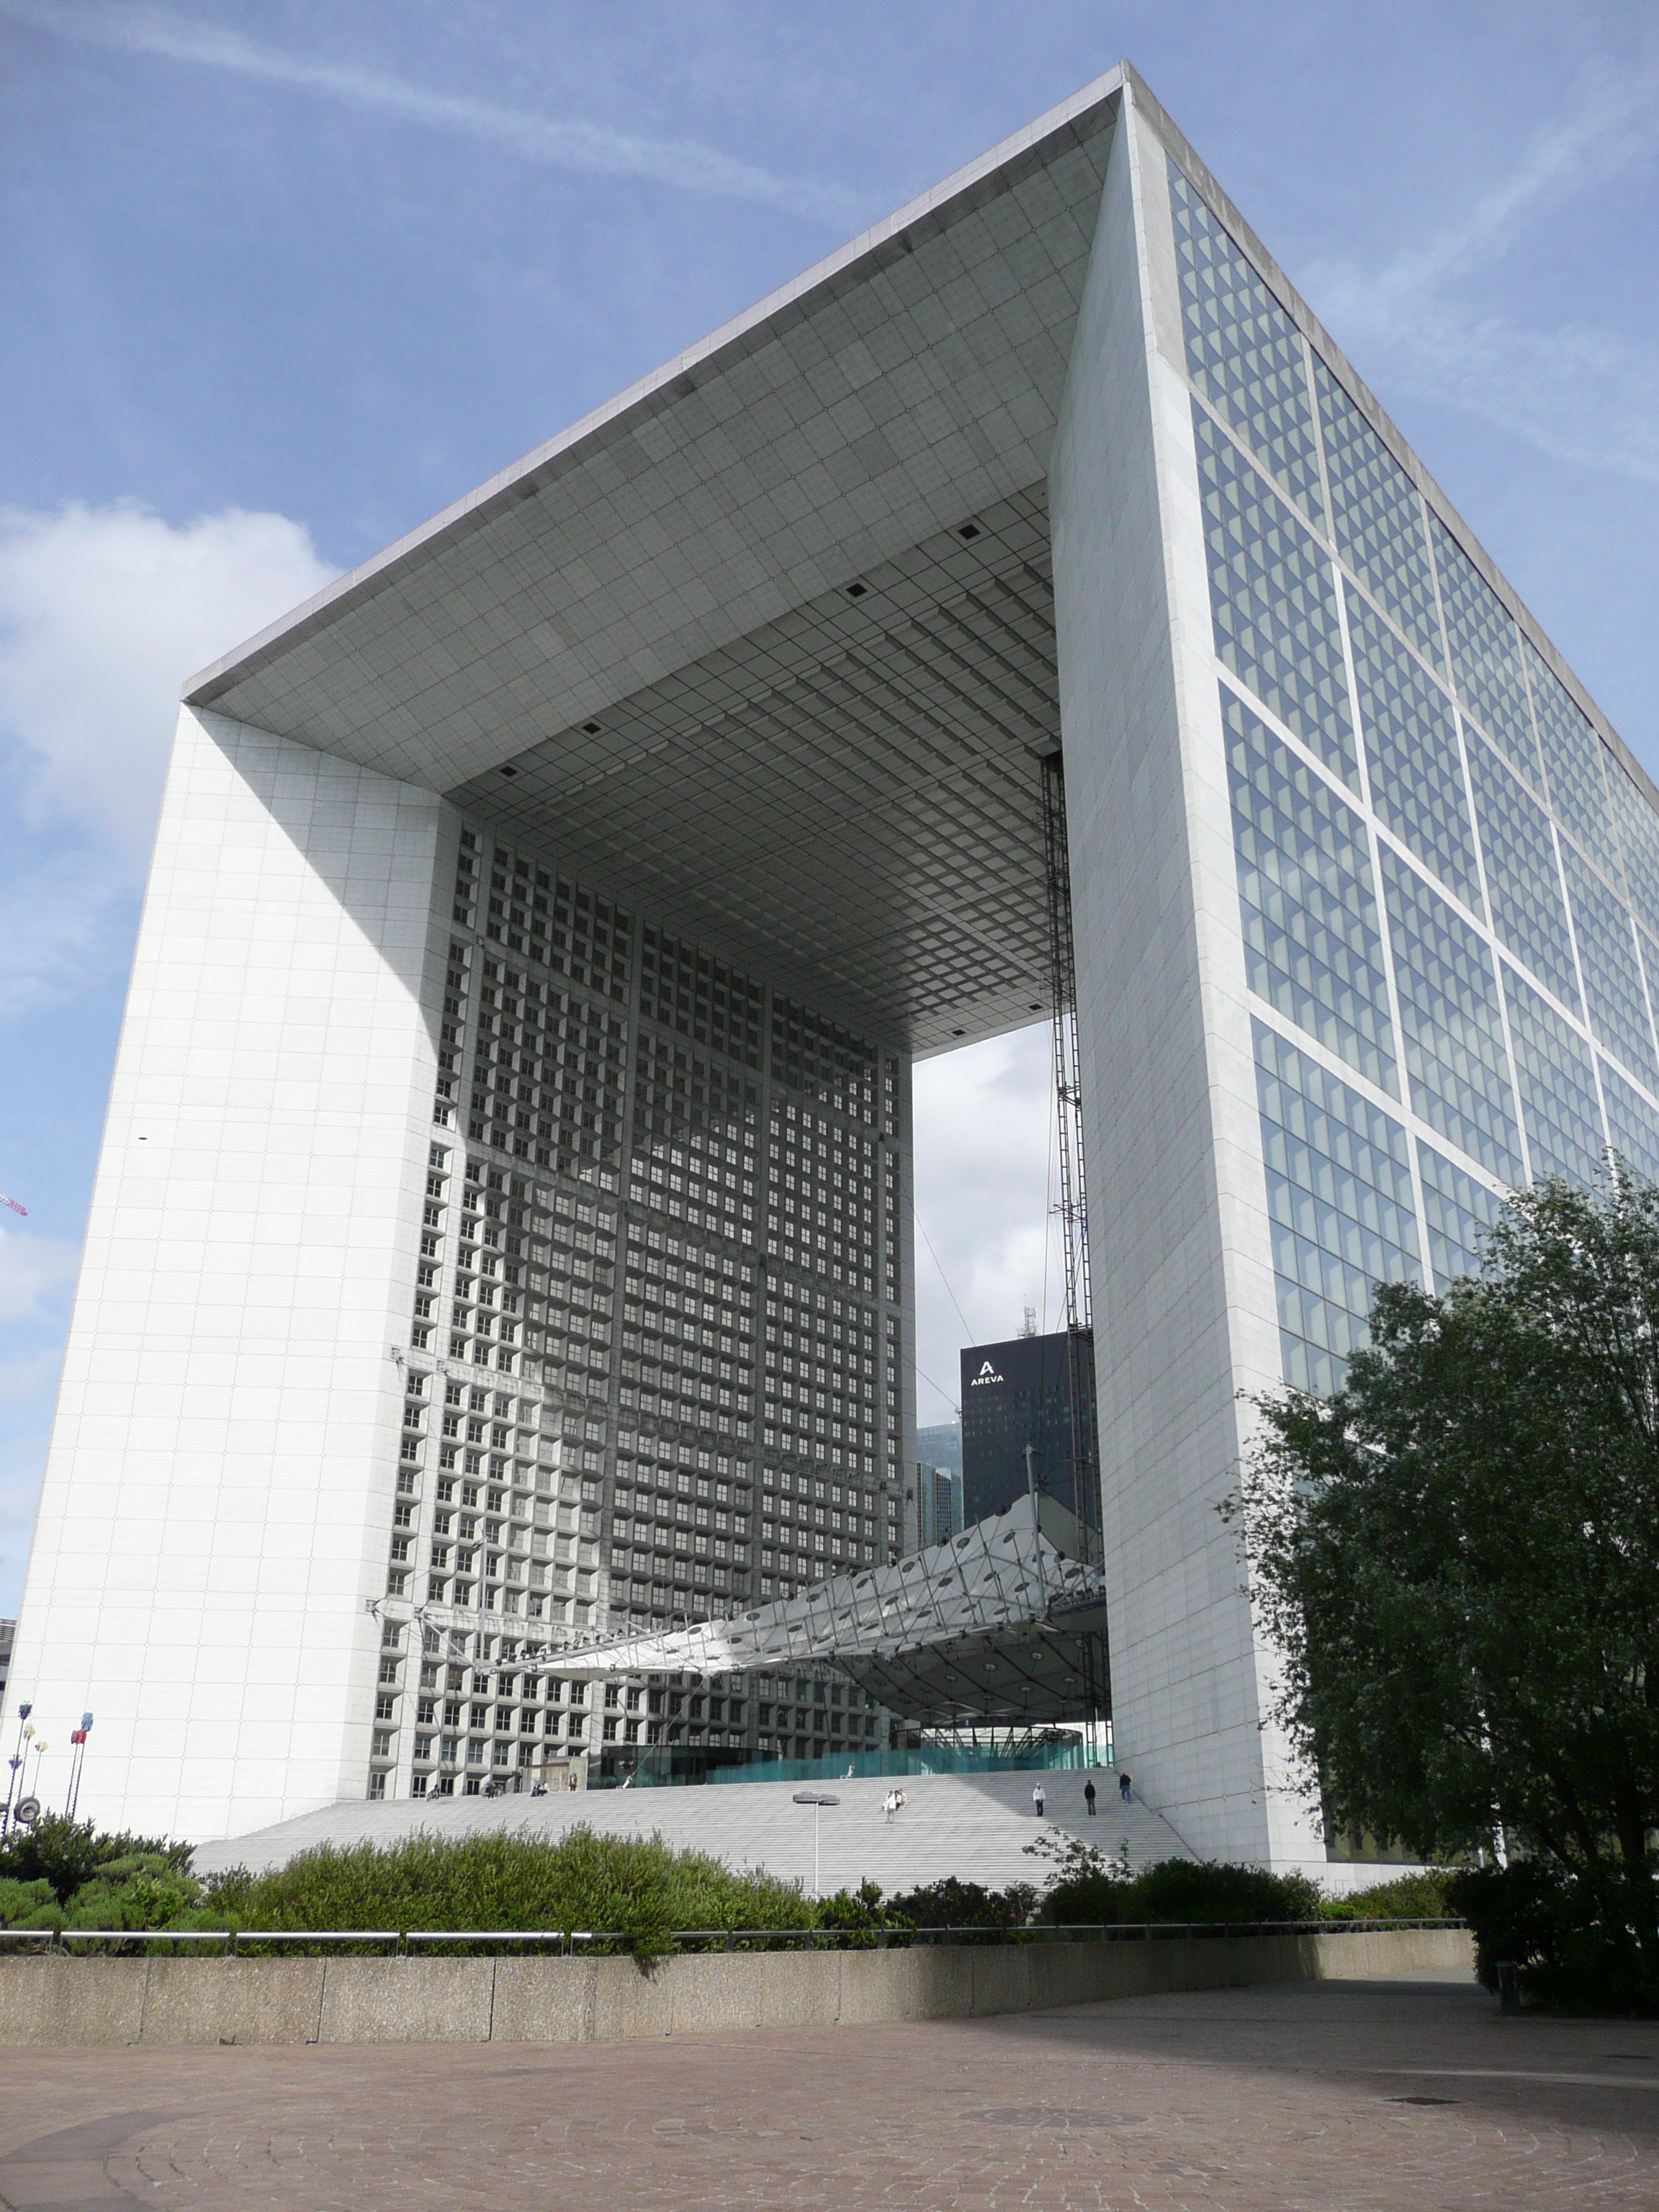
point(1578, 393)
point(33, 1270)
point(575, 143)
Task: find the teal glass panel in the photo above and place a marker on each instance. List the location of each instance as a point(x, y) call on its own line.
point(1556, 1077)
point(1453, 1040)
point(1632, 1125)
point(1486, 652)
point(1313, 944)
point(1377, 517)
point(1411, 749)
point(1343, 1211)
point(1243, 352)
point(1523, 883)
point(1612, 975)
point(1272, 594)
point(1457, 1207)
point(1573, 762)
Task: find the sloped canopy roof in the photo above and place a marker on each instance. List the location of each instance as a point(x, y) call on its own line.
point(766, 643)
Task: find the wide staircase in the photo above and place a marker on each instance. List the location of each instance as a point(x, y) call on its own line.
point(975, 1827)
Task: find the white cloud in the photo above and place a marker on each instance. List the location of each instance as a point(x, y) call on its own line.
point(33, 1268)
point(32, 1378)
point(554, 142)
point(104, 611)
point(983, 1165)
point(1579, 393)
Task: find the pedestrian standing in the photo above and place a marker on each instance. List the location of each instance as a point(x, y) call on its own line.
point(1038, 1800)
point(890, 1805)
point(1123, 1787)
point(1089, 1797)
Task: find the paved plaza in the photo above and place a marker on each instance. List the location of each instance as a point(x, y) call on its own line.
point(1320, 2097)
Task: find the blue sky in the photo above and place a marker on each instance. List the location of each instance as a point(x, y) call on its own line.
point(277, 280)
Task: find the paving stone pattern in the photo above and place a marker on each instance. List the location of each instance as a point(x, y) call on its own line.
point(1330, 2096)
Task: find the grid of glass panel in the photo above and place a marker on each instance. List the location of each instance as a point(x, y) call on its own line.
point(1632, 1124)
point(1556, 1082)
point(1449, 1013)
point(1377, 517)
point(1572, 762)
point(1243, 352)
point(1613, 980)
point(1457, 1207)
point(1363, 620)
point(1486, 652)
point(1273, 595)
point(1307, 899)
point(1340, 1200)
point(1411, 753)
point(1638, 839)
point(1528, 907)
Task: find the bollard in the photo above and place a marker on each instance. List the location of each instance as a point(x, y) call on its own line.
point(1508, 1986)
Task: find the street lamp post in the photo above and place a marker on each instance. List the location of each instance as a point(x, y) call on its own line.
point(816, 1799)
point(23, 1712)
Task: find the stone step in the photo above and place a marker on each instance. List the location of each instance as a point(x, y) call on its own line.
point(974, 1826)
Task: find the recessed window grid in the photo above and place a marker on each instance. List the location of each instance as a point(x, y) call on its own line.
point(1612, 977)
point(1632, 1124)
point(1308, 903)
point(1523, 879)
point(1272, 596)
point(1340, 1202)
point(1638, 840)
point(1457, 1209)
point(1573, 764)
point(535, 911)
point(1243, 352)
point(1378, 518)
point(1485, 653)
point(1453, 1038)
point(702, 997)
point(1410, 750)
point(1556, 1077)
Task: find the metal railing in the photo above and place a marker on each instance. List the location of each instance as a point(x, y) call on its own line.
point(410, 1941)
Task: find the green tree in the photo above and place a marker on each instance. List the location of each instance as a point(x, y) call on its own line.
point(1457, 1556)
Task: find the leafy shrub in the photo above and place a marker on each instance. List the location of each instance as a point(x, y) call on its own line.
point(145, 1889)
point(859, 1913)
point(953, 1904)
point(1583, 1943)
point(29, 1905)
point(69, 1854)
point(1086, 1888)
point(641, 1889)
point(1425, 1896)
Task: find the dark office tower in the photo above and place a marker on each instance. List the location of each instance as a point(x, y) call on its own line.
point(1014, 1394)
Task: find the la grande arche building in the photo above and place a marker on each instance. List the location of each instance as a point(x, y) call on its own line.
point(504, 1203)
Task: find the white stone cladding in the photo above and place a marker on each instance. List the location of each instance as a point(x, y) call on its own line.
point(220, 1479)
point(1184, 1309)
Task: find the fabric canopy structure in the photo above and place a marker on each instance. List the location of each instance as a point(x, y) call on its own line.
point(1002, 1624)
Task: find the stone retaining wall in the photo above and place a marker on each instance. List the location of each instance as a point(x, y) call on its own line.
point(59, 1999)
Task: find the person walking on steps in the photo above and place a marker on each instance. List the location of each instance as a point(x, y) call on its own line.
point(1123, 1788)
point(1038, 1800)
point(1089, 1797)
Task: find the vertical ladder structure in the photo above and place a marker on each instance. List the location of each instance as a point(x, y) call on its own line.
point(1074, 1207)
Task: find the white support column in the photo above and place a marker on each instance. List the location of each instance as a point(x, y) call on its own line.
point(217, 1501)
point(1182, 1260)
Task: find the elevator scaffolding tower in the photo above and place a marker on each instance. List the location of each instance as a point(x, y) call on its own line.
point(1074, 1207)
